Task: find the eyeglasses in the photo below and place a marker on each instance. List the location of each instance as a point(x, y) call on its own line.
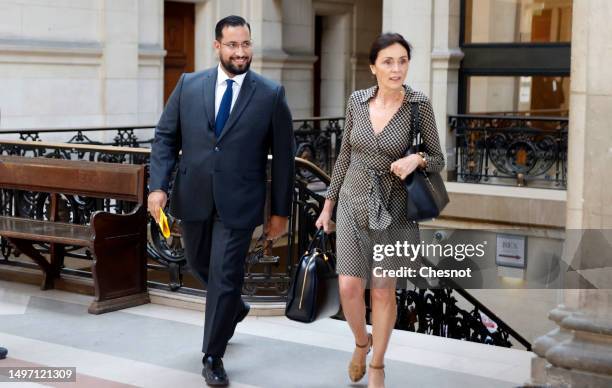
point(247, 44)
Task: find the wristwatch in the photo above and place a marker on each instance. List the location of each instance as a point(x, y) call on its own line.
point(422, 155)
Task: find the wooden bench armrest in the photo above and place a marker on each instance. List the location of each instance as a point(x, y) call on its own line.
point(111, 225)
point(120, 259)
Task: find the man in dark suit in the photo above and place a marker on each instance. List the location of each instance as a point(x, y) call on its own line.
point(225, 120)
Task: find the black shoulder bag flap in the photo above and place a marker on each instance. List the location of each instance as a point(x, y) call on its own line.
point(313, 293)
point(426, 193)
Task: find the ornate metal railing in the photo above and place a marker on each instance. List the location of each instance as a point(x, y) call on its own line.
point(317, 139)
point(514, 150)
point(531, 112)
point(122, 136)
point(267, 276)
point(436, 312)
point(490, 149)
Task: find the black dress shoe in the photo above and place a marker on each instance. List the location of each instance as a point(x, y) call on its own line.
point(3, 353)
point(213, 372)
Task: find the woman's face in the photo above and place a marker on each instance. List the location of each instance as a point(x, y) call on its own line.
point(391, 67)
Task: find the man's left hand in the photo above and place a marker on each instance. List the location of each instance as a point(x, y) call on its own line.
point(277, 226)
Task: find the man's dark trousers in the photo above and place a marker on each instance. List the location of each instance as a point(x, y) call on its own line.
point(216, 254)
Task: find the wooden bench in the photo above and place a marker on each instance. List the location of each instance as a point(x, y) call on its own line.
point(117, 241)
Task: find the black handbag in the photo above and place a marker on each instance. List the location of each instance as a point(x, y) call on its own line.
point(313, 293)
point(426, 193)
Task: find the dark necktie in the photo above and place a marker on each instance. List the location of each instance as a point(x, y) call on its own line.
point(224, 109)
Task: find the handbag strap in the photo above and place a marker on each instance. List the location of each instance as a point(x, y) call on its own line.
point(415, 123)
point(318, 241)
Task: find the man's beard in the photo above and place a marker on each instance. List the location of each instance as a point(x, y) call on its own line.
point(232, 69)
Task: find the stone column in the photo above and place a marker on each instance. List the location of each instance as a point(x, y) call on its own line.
point(368, 25)
point(413, 19)
point(445, 59)
point(579, 353)
point(206, 17)
point(335, 62)
point(265, 17)
point(298, 44)
point(151, 55)
point(120, 61)
point(433, 30)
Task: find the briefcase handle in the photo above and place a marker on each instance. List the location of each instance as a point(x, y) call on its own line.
point(318, 241)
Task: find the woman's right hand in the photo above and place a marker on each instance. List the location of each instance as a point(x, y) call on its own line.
point(324, 219)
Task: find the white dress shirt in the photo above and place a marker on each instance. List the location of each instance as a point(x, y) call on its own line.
point(222, 85)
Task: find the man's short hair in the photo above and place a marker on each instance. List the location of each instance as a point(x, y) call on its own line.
point(229, 21)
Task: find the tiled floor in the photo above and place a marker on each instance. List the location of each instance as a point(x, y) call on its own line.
point(159, 346)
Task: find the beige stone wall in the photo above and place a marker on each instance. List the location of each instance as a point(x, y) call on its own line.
point(80, 63)
point(48, 54)
point(509, 205)
point(106, 57)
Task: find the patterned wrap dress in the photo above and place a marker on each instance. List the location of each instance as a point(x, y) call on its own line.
point(371, 200)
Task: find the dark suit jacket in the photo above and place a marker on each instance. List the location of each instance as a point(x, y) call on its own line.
point(228, 172)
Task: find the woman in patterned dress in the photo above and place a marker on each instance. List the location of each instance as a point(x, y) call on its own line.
point(367, 184)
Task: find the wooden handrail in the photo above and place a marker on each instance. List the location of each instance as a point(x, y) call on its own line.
point(74, 129)
point(77, 147)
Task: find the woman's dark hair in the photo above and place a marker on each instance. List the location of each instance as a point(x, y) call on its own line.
point(229, 21)
point(385, 40)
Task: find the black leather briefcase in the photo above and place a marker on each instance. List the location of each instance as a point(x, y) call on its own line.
point(313, 293)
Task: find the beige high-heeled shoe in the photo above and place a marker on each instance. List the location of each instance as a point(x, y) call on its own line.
point(378, 367)
point(357, 371)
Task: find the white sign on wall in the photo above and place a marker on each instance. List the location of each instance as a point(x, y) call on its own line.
point(510, 251)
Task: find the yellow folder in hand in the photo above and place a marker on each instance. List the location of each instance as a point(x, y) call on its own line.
point(163, 223)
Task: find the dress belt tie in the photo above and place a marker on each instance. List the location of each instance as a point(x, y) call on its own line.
point(379, 217)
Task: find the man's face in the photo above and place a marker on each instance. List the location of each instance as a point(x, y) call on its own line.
point(234, 49)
